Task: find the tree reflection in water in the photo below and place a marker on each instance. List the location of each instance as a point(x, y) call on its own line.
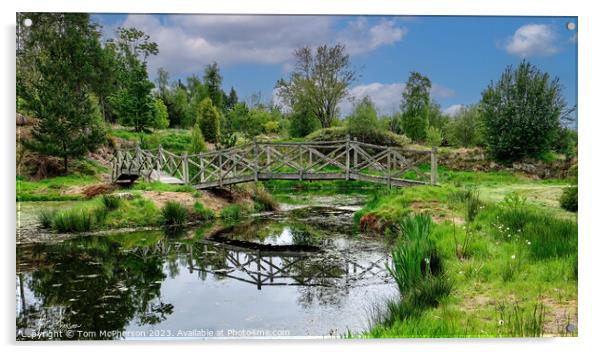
point(107, 283)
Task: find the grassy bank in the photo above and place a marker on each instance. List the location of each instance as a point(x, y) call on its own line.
point(512, 263)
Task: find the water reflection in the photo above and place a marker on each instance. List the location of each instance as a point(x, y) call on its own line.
point(119, 282)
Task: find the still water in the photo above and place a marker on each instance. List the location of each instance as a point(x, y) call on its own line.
point(299, 273)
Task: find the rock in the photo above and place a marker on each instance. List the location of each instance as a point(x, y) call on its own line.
point(125, 195)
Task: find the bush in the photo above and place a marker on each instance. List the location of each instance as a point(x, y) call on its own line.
point(45, 218)
point(197, 143)
point(303, 123)
point(174, 214)
point(569, 199)
point(434, 137)
point(522, 113)
point(208, 119)
point(231, 213)
point(363, 121)
point(202, 212)
point(111, 202)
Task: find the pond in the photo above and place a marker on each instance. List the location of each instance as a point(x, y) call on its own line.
point(303, 272)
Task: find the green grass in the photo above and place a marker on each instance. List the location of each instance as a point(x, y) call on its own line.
point(162, 187)
point(173, 140)
point(174, 214)
point(202, 213)
point(111, 202)
point(52, 189)
point(231, 213)
point(73, 220)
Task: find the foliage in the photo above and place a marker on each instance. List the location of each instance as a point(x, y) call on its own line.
point(197, 144)
point(566, 142)
point(522, 113)
point(434, 137)
point(466, 129)
point(174, 214)
point(363, 121)
point(208, 119)
point(160, 116)
point(377, 137)
point(319, 81)
point(569, 199)
point(62, 49)
point(73, 220)
point(521, 321)
point(302, 123)
point(415, 106)
point(263, 199)
point(213, 81)
point(45, 218)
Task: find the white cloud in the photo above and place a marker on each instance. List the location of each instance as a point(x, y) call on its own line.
point(453, 110)
point(533, 40)
point(189, 42)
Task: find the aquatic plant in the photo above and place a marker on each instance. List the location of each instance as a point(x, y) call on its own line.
point(174, 214)
point(263, 200)
point(73, 220)
point(45, 218)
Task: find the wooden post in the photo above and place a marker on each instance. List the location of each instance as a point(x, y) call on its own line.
point(159, 158)
point(347, 145)
point(269, 160)
point(256, 158)
point(221, 168)
point(354, 154)
point(185, 167)
point(434, 166)
point(389, 167)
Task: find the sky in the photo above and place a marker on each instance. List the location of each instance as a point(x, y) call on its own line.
point(460, 55)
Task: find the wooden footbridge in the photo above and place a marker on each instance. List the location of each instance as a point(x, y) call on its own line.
point(257, 161)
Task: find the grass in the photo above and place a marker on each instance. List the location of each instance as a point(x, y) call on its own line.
point(73, 220)
point(263, 200)
point(514, 250)
point(174, 214)
point(111, 202)
point(231, 213)
point(162, 187)
point(203, 213)
point(52, 189)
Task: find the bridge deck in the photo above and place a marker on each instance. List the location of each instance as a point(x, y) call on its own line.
point(331, 160)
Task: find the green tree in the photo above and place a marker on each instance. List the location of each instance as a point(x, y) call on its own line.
point(208, 119)
point(160, 120)
point(466, 129)
point(213, 80)
point(415, 106)
point(522, 112)
point(319, 82)
point(434, 137)
point(363, 121)
point(302, 123)
point(197, 144)
point(231, 99)
point(66, 46)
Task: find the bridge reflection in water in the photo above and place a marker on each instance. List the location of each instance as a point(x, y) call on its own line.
point(267, 265)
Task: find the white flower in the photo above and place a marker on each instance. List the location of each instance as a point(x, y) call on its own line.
point(427, 261)
point(513, 257)
point(528, 242)
point(500, 322)
point(460, 272)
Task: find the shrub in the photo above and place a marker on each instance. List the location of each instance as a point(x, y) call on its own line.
point(569, 199)
point(73, 220)
point(231, 213)
point(379, 137)
point(202, 212)
point(160, 115)
point(208, 119)
point(522, 113)
point(434, 137)
point(303, 123)
point(466, 129)
point(363, 121)
point(45, 218)
point(111, 202)
point(174, 214)
point(197, 144)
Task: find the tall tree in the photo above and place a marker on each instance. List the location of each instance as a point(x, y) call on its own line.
point(231, 99)
point(319, 81)
point(522, 112)
point(213, 80)
point(133, 102)
point(66, 46)
point(415, 106)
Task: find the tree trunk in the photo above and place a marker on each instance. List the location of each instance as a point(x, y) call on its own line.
point(65, 164)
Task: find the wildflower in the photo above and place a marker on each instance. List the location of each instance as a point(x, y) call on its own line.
point(500, 322)
point(460, 272)
point(513, 257)
point(528, 242)
point(427, 261)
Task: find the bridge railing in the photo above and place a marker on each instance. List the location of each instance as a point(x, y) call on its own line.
point(315, 160)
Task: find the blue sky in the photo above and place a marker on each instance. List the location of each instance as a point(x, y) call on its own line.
point(460, 55)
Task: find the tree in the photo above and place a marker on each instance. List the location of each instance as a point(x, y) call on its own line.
point(363, 121)
point(319, 82)
point(302, 123)
point(213, 80)
point(522, 113)
point(160, 120)
point(466, 129)
point(66, 46)
point(208, 119)
point(415, 106)
point(133, 102)
point(231, 99)
point(197, 144)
